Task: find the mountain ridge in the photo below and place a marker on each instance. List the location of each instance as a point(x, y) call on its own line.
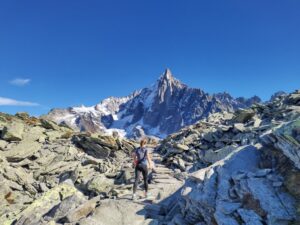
point(158, 110)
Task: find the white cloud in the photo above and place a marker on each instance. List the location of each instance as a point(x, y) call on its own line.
point(20, 82)
point(13, 102)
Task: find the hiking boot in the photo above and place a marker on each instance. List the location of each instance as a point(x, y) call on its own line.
point(134, 197)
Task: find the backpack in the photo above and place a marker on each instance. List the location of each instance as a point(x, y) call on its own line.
point(140, 159)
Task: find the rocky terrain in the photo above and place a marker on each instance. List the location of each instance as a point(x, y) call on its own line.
point(159, 110)
point(214, 137)
point(50, 174)
point(240, 168)
point(47, 171)
point(229, 168)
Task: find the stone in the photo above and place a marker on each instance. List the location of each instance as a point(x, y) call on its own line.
point(49, 124)
point(257, 122)
point(66, 206)
point(277, 208)
point(181, 147)
point(82, 211)
point(43, 187)
point(125, 177)
point(223, 219)
point(21, 177)
point(282, 139)
point(35, 134)
point(228, 208)
point(214, 156)
point(34, 212)
point(22, 115)
point(3, 144)
point(219, 145)
point(208, 137)
point(22, 150)
point(294, 98)
point(210, 192)
point(93, 146)
point(100, 185)
point(262, 172)
point(116, 212)
point(239, 127)
point(250, 217)
point(53, 135)
point(243, 115)
point(13, 131)
point(180, 164)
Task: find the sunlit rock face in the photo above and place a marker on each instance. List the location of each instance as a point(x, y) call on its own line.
point(159, 110)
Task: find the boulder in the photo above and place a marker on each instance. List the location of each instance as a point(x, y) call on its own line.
point(239, 127)
point(82, 211)
point(250, 217)
point(179, 163)
point(94, 146)
point(35, 134)
point(47, 124)
point(214, 156)
point(181, 147)
point(22, 115)
point(257, 122)
point(284, 138)
point(34, 212)
point(3, 144)
point(22, 150)
point(21, 177)
point(53, 135)
point(99, 185)
point(66, 206)
point(116, 212)
point(229, 190)
point(125, 176)
point(243, 115)
point(294, 98)
point(13, 131)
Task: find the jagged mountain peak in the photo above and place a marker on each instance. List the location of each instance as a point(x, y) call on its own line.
point(167, 75)
point(167, 83)
point(159, 110)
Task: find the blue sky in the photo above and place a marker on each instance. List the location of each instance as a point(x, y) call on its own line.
point(68, 53)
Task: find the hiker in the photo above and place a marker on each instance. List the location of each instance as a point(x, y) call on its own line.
point(142, 161)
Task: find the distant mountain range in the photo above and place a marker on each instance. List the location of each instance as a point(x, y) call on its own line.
point(158, 110)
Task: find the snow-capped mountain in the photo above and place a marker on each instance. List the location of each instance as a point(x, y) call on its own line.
point(159, 110)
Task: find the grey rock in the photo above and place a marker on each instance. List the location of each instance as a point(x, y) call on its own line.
point(250, 217)
point(13, 131)
point(3, 144)
point(284, 140)
point(82, 211)
point(181, 147)
point(223, 219)
point(34, 212)
point(49, 124)
point(228, 208)
point(209, 192)
point(22, 150)
point(239, 127)
point(214, 156)
point(244, 115)
point(99, 185)
point(60, 211)
point(116, 212)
